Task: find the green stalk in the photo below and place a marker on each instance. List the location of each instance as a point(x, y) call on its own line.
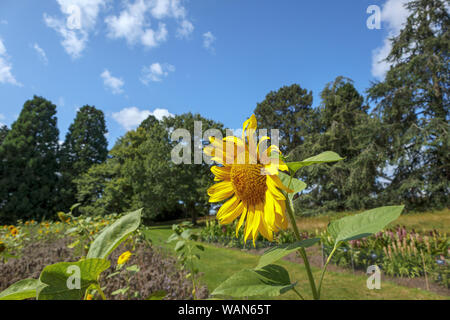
point(302, 250)
point(325, 268)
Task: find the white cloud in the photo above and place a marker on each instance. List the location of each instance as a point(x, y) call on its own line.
point(393, 15)
point(131, 117)
point(156, 72)
point(2, 117)
point(3, 21)
point(41, 53)
point(185, 29)
point(208, 40)
point(112, 83)
point(134, 23)
point(79, 20)
point(6, 75)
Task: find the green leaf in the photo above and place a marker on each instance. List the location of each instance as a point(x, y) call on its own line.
point(180, 245)
point(114, 234)
point(276, 253)
point(363, 224)
point(200, 247)
point(157, 295)
point(271, 280)
point(23, 289)
point(133, 268)
point(327, 156)
point(59, 276)
point(293, 184)
point(186, 234)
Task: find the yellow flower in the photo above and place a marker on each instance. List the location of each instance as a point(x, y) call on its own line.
point(89, 297)
point(14, 232)
point(250, 177)
point(123, 258)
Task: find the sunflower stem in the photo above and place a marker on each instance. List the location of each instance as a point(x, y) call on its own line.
point(302, 251)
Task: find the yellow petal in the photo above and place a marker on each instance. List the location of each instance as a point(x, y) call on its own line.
point(221, 173)
point(220, 191)
point(241, 220)
point(228, 206)
point(232, 215)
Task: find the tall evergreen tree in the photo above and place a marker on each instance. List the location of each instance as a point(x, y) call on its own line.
point(346, 128)
point(84, 146)
point(413, 103)
point(3, 132)
point(29, 170)
point(289, 111)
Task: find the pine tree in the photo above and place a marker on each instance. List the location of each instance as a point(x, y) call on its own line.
point(29, 170)
point(85, 145)
point(413, 103)
point(3, 132)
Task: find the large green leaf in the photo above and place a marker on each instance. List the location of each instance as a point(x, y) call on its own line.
point(23, 289)
point(276, 253)
point(56, 277)
point(271, 280)
point(293, 184)
point(113, 235)
point(363, 224)
point(327, 156)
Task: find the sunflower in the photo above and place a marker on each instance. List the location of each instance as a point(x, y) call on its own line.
point(14, 232)
point(249, 182)
point(123, 258)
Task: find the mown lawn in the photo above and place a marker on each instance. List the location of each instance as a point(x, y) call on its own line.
point(423, 221)
point(217, 264)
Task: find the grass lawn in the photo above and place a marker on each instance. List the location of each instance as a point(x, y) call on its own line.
point(423, 221)
point(217, 264)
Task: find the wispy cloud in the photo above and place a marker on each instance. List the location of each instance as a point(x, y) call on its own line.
point(131, 117)
point(133, 23)
point(79, 20)
point(112, 83)
point(6, 75)
point(156, 72)
point(208, 41)
point(393, 16)
point(41, 53)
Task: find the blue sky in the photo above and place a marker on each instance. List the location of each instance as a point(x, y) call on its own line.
point(218, 58)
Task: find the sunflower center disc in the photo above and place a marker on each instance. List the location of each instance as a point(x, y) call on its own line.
point(248, 182)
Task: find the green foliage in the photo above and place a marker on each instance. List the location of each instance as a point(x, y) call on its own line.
point(114, 235)
point(363, 224)
point(187, 250)
point(397, 252)
point(84, 146)
point(73, 280)
point(23, 289)
point(345, 127)
point(56, 278)
point(288, 110)
point(139, 173)
point(29, 167)
point(274, 254)
point(271, 280)
point(412, 103)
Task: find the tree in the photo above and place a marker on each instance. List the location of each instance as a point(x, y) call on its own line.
point(192, 180)
point(3, 132)
point(85, 145)
point(345, 127)
point(289, 111)
point(29, 170)
point(412, 102)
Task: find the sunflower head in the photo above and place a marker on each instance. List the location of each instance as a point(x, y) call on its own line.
point(247, 177)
